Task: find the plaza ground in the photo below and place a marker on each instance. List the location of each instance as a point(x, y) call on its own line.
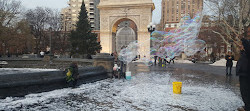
point(205, 87)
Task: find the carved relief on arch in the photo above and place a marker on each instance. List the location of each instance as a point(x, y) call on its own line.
point(104, 23)
point(104, 12)
point(136, 19)
point(114, 20)
point(145, 20)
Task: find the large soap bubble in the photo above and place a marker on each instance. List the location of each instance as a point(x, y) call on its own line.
point(127, 54)
point(183, 39)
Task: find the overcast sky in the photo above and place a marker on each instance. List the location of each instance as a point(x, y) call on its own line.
point(59, 4)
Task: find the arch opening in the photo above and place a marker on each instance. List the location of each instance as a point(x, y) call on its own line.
point(124, 31)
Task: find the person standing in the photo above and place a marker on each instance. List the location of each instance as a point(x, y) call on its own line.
point(229, 57)
point(122, 66)
point(115, 56)
point(213, 58)
point(243, 71)
point(159, 61)
point(155, 58)
point(47, 50)
point(41, 54)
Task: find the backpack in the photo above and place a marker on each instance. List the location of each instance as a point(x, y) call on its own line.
point(69, 73)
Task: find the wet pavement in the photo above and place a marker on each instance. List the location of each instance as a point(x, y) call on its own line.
point(205, 88)
point(199, 72)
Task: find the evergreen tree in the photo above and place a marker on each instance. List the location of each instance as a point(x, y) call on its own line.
point(82, 39)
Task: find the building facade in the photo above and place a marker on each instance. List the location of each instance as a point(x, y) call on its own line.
point(70, 14)
point(174, 10)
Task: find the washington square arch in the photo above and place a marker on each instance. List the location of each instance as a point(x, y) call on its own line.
point(123, 21)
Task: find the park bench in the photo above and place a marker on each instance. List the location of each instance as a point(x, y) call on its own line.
point(2, 63)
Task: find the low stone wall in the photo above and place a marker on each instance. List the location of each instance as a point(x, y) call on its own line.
point(22, 84)
point(98, 68)
point(56, 63)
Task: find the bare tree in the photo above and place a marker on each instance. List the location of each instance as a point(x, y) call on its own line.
point(41, 20)
point(232, 17)
point(21, 38)
point(9, 15)
point(60, 41)
point(9, 10)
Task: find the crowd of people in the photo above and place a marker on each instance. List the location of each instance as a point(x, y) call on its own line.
point(163, 61)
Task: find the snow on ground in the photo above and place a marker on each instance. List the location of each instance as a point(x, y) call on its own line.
point(223, 62)
point(23, 70)
point(146, 91)
point(183, 61)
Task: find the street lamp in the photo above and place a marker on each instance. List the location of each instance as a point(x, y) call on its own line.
point(50, 30)
point(3, 44)
point(151, 28)
point(231, 44)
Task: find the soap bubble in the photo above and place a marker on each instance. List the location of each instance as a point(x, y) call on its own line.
point(127, 54)
point(183, 39)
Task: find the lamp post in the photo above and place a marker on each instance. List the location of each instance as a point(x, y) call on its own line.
point(3, 44)
point(231, 45)
point(151, 28)
point(50, 40)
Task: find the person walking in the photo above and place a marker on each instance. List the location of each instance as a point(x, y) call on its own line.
point(243, 71)
point(229, 57)
point(172, 59)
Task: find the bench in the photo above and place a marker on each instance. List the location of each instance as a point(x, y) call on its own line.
point(2, 63)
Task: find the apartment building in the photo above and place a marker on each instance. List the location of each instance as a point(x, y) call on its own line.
point(174, 10)
point(70, 14)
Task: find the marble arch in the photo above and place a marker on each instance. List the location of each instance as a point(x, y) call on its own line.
point(114, 11)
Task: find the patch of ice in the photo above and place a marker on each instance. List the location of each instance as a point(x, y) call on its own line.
point(183, 61)
point(23, 70)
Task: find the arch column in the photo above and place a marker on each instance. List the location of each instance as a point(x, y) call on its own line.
point(144, 41)
point(106, 41)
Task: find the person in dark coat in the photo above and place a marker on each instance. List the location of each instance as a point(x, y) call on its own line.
point(229, 63)
point(243, 71)
point(213, 57)
point(155, 58)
